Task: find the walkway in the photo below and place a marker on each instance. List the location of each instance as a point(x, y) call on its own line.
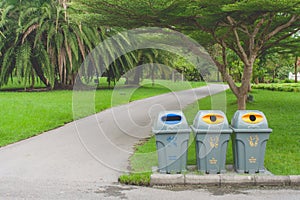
point(83, 159)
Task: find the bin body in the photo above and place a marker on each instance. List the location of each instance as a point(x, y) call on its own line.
point(172, 135)
point(250, 136)
point(212, 133)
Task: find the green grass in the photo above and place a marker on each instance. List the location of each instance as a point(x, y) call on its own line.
point(20, 84)
point(283, 148)
point(282, 112)
point(25, 114)
point(142, 179)
point(15, 84)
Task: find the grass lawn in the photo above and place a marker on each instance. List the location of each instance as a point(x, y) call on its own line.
point(282, 112)
point(25, 114)
point(283, 148)
point(17, 84)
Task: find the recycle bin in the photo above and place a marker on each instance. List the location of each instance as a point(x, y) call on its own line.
point(172, 134)
point(250, 136)
point(212, 133)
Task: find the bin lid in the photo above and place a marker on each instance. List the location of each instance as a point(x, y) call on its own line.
point(170, 122)
point(250, 120)
point(210, 121)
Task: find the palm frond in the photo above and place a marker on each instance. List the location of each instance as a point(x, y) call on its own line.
point(50, 34)
point(29, 31)
point(73, 45)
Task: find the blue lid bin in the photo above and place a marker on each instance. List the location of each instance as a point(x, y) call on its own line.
point(172, 137)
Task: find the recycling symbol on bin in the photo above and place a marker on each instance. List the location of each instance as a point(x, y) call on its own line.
point(172, 140)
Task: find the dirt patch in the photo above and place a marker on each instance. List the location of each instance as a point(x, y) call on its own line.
point(114, 191)
point(224, 190)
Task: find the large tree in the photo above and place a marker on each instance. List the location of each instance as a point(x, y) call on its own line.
point(40, 39)
point(248, 28)
point(290, 47)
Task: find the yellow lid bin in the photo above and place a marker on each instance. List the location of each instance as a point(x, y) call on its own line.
point(212, 134)
point(250, 136)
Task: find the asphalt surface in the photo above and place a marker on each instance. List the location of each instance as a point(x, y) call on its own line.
point(83, 159)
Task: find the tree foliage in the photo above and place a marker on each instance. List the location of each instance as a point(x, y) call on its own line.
point(247, 28)
point(41, 39)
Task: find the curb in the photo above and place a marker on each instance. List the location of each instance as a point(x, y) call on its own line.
point(224, 180)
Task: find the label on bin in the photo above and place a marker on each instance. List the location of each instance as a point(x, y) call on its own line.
point(172, 141)
point(172, 157)
point(213, 118)
point(171, 118)
point(213, 161)
point(252, 118)
point(253, 140)
point(252, 160)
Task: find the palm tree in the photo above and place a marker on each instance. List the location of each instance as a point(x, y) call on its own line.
point(42, 41)
point(151, 57)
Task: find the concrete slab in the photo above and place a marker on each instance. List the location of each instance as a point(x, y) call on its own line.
point(205, 180)
point(237, 180)
point(295, 180)
point(272, 180)
point(167, 179)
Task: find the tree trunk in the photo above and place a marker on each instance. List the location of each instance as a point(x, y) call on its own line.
point(242, 99)
point(249, 87)
point(242, 91)
point(246, 86)
point(32, 79)
point(152, 73)
point(138, 72)
point(136, 78)
point(296, 70)
point(39, 72)
point(173, 76)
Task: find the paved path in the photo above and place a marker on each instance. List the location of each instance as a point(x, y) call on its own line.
point(83, 159)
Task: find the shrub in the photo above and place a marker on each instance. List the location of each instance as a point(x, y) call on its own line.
point(286, 87)
point(276, 80)
point(288, 81)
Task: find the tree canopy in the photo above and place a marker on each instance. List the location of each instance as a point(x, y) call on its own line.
point(40, 40)
point(248, 28)
point(49, 39)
